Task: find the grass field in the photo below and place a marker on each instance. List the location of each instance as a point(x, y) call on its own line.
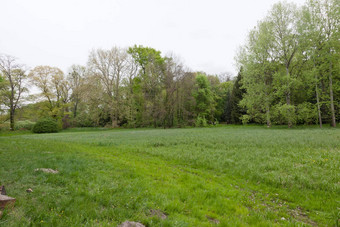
point(231, 176)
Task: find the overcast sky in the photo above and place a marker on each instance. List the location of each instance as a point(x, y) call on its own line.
point(204, 33)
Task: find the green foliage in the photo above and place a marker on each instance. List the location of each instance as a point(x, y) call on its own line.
point(245, 119)
point(287, 113)
point(289, 74)
point(46, 125)
point(4, 126)
point(223, 104)
point(201, 121)
point(145, 55)
point(236, 96)
point(291, 57)
point(24, 125)
point(83, 120)
point(306, 113)
point(205, 105)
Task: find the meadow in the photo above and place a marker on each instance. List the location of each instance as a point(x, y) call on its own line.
point(228, 176)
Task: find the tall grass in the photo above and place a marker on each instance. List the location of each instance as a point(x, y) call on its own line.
point(198, 176)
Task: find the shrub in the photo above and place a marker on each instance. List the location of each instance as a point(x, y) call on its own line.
point(288, 113)
point(24, 125)
point(201, 122)
point(45, 125)
point(245, 119)
point(4, 126)
point(83, 120)
point(307, 113)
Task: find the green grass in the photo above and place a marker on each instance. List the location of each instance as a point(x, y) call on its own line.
point(234, 176)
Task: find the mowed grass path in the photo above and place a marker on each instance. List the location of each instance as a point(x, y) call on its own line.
point(228, 176)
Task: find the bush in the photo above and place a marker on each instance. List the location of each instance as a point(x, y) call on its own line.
point(245, 119)
point(46, 125)
point(201, 122)
point(24, 125)
point(4, 126)
point(83, 120)
point(307, 113)
point(288, 113)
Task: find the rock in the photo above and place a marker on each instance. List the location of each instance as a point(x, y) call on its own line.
point(158, 213)
point(47, 170)
point(131, 224)
point(6, 201)
point(2, 190)
point(283, 219)
point(29, 190)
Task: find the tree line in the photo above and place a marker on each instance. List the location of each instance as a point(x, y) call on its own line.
point(288, 74)
point(130, 87)
point(291, 65)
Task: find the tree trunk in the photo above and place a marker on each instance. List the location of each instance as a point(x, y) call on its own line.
point(11, 117)
point(11, 109)
point(288, 98)
point(118, 106)
point(318, 102)
point(333, 123)
point(75, 109)
point(113, 121)
point(269, 124)
point(113, 116)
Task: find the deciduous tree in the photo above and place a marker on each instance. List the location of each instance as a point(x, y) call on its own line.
point(13, 84)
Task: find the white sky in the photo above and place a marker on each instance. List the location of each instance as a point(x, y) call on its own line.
point(204, 33)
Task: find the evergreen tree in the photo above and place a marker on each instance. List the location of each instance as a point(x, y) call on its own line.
point(236, 96)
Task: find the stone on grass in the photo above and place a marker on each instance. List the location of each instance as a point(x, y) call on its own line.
point(47, 170)
point(158, 213)
point(6, 201)
point(29, 190)
point(131, 224)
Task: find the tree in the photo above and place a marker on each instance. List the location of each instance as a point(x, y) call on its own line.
point(225, 105)
point(110, 66)
point(205, 104)
point(15, 77)
point(186, 103)
point(330, 11)
point(130, 85)
point(2, 90)
point(319, 31)
point(173, 73)
point(283, 18)
point(146, 55)
point(54, 89)
point(257, 74)
point(76, 79)
point(151, 77)
point(236, 111)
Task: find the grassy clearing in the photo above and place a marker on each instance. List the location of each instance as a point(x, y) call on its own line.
point(197, 177)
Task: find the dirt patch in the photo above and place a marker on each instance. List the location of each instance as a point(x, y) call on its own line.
point(158, 213)
point(298, 214)
point(213, 220)
point(131, 224)
point(275, 204)
point(47, 170)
